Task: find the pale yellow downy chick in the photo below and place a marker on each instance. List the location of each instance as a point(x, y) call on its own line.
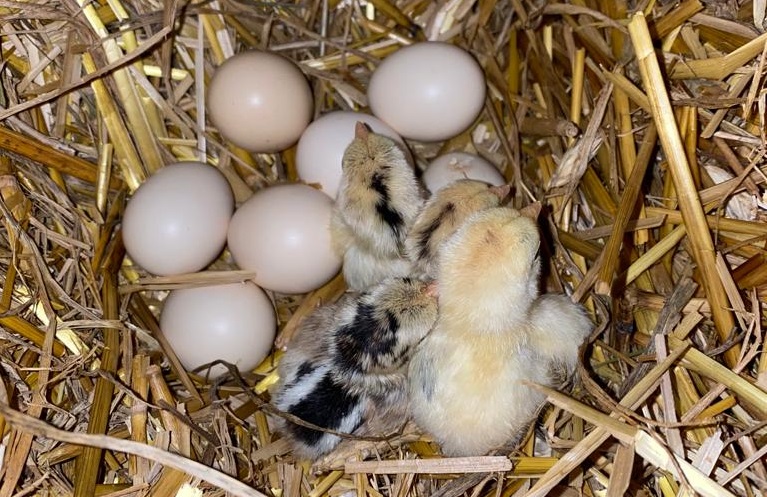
point(378, 200)
point(493, 333)
point(444, 212)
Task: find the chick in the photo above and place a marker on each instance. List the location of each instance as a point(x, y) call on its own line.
point(345, 368)
point(557, 329)
point(377, 202)
point(371, 350)
point(493, 331)
point(444, 213)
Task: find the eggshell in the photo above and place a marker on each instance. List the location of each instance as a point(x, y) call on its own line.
point(177, 220)
point(283, 234)
point(428, 91)
point(260, 101)
point(235, 323)
point(322, 145)
point(459, 165)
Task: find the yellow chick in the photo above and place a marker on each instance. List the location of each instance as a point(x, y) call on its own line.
point(493, 331)
point(378, 200)
point(443, 213)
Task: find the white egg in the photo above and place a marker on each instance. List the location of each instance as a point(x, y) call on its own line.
point(260, 101)
point(428, 91)
point(283, 234)
point(459, 165)
point(177, 220)
point(322, 145)
point(235, 323)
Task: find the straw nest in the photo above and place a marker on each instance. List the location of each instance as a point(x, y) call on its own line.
point(643, 135)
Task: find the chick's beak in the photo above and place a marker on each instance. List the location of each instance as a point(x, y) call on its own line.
point(501, 191)
point(432, 289)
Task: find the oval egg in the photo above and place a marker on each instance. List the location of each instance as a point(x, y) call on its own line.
point(428, 91)
point(283, 234)
point(235, 323)
point(177, 220)
point(260, 101)
point(453, 166)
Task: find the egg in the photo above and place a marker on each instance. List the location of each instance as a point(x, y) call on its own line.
point(177, 220)
point(322, 145)
point(459, 165)
point(282, 233)
point(235, 323)
point(428, 91)
point(260, 101)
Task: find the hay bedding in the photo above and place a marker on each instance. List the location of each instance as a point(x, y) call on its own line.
point(97, 96)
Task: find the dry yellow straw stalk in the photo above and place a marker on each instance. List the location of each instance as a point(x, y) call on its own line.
point(692, 210)
point(720, 67)
point(126, 88)
point(626, 207)
point(87, 464)
point(638, 394)
point(645, 445)
point(26, 146)
point(485, 464)
point(193, 468)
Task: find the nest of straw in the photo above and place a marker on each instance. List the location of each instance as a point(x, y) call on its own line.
point(643, 135)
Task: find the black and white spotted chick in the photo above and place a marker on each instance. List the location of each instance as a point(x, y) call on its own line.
point(345, 370)
point(377, 202)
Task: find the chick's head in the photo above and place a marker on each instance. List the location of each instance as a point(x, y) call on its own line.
point(489, 270)
point(413, 302)
point(444, 213)
point(372, 157)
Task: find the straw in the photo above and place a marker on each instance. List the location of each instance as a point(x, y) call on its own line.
point(98, 96)
point(692, 211)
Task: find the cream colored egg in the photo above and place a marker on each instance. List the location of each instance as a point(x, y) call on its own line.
point(459, 165)
point(283, 234)
point(260, 101)
point(428, 91)
point(177, 220)
point(235, 323)
point(322, 145)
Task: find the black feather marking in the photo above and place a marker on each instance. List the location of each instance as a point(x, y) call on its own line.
point(424, 250)
point(392, 322)
point(366, 341)
point(326, 406)
point(390, 216)
point(304, 370)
